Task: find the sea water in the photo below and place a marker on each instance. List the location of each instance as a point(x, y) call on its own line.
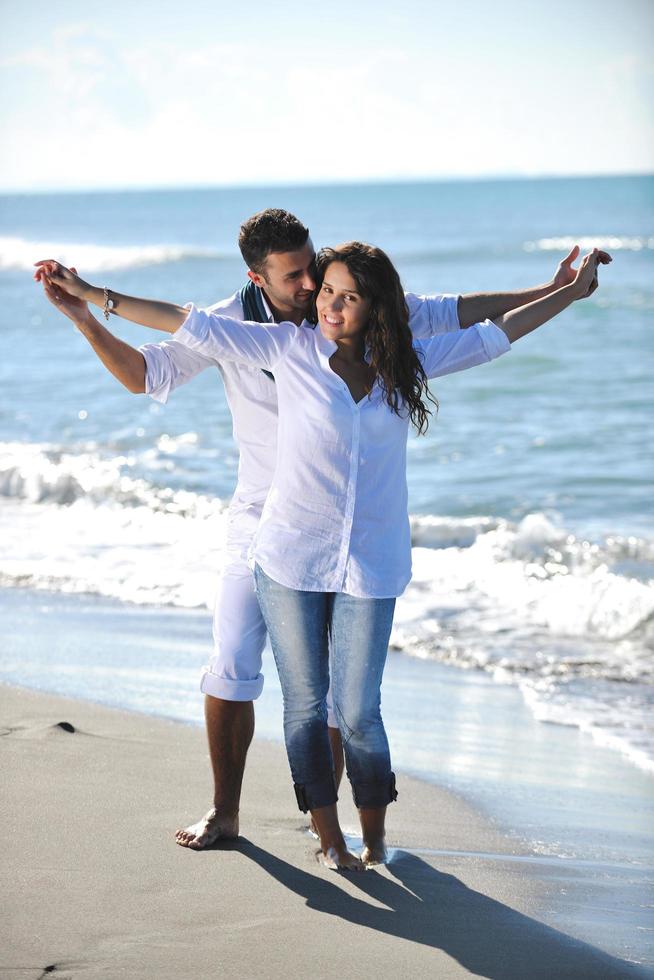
point(531, 496)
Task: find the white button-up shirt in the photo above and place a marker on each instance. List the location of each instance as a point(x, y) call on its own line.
point(335, 518)
point(252, 399)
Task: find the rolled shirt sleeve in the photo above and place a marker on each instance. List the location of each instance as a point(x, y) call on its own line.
point(432, 315)
point(452, 352)
point(170, 364)
point(222, 338)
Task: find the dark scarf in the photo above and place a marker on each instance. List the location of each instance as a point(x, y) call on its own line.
point(253, 308)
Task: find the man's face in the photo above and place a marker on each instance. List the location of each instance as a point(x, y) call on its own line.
point(288, 279)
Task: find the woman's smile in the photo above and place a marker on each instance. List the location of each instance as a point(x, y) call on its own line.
point(342, 311)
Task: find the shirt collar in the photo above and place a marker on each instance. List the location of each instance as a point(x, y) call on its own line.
point(325, 347)
point(328, 347)
point(266, 307)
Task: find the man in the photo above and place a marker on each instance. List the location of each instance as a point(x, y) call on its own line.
point(279, 254)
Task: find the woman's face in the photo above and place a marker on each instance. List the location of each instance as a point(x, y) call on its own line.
point(342, 310)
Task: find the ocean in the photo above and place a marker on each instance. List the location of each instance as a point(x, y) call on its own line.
point(531, 496)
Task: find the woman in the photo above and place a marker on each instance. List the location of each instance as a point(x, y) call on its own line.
point(333, 549)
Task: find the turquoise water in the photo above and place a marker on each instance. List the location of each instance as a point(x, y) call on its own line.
point(561, 424)
point(531, 495)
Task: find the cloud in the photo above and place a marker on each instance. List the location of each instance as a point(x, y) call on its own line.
point(91, 108)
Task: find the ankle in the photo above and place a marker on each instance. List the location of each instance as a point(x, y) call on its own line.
point(334, 842)
point(227, 810)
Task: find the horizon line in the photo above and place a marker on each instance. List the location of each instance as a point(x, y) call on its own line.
point(284, 185)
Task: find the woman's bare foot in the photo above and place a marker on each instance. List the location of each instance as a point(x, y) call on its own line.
point(338, 858)
point(335, 854)
point(374, 853)
point(212, 827)
point(372, 831)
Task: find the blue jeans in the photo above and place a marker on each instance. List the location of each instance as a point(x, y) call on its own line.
point(304, 627)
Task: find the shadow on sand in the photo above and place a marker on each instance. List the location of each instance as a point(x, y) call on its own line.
point(426, 906)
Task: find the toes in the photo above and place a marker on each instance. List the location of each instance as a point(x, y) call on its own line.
point(207, 831)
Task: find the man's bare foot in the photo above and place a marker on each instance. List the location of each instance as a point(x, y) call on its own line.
point(340, 859)
point(212, 827)
point(374, 853)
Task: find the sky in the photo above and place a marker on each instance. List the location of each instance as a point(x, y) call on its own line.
point(119, 95)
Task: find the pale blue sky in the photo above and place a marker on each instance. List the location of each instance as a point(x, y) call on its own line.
point(169, 94)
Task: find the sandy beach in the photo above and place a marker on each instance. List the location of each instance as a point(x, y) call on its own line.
point(96, 887)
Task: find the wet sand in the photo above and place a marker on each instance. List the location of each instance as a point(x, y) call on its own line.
point(95, 886)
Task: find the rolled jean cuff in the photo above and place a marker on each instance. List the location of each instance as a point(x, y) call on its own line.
point(230, 688)
point(374, 795)
point(311, 796)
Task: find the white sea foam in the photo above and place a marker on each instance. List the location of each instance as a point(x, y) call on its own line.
point(609, 243)
point(529, 602)
point(79, 522)
point(49, 475)
point(613, 718)
point(21, 253)
point(532, 575)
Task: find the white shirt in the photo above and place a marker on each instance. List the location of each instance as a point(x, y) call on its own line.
point(252, 399)
point(335, 518)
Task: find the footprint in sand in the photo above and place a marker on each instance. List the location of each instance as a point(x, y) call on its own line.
point(45, 731)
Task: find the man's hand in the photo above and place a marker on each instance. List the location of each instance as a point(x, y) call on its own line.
point(62, 287)
point(565, 273)
point(67, 303)
point(151, 313)
point(58, 275)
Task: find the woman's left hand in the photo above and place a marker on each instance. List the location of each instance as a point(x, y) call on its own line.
point(586, 282)
point(71, 306)
point(565, 272)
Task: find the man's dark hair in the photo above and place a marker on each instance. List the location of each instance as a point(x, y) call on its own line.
point(272, 230)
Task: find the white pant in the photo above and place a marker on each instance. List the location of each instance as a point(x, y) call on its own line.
point(239, 632)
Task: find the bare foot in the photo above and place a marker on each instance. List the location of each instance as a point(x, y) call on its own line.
point(212, 827)
point(340, 859)
point(374, 853)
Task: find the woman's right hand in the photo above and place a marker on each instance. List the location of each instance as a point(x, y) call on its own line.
point(585, 282)
point(67, 303)
point(66, 279)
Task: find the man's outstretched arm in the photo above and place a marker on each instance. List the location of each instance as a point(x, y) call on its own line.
point(475, 307)
point(123, 361)
point(148, 312)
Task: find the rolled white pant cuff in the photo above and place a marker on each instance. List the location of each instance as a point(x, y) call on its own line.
point(230, 689)
point(331, 719)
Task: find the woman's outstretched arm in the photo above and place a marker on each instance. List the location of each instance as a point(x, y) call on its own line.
point(148, 312)
point(521, 321)
point(474, 307)
point(463, 349)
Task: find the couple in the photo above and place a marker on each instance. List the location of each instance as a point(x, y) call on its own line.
point(331, 547)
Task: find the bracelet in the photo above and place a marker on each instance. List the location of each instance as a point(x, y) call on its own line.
point(109, 303)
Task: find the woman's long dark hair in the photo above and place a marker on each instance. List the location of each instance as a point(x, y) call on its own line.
point(387, 336)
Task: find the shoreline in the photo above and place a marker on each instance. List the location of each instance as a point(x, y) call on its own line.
point(561, 807)
point(110, 893)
